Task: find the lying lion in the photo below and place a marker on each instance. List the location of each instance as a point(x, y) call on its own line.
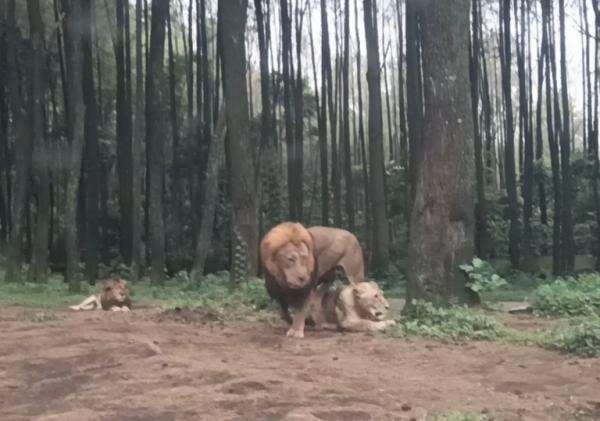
point(114, 297)
point(360, 307)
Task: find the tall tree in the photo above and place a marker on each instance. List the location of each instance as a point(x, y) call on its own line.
point(73, 29)
point(442, 221)
point(567, 240)
point(514, 233)
point(378, 205)
point(92, 150)
point(23, 145)
point(345, 129)
point(124, 145)
point(39, 260)
point(403, 153)
point(155, 133)
point(328, 76)
point(232, 27)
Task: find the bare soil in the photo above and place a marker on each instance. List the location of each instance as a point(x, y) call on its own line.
point(149, 365)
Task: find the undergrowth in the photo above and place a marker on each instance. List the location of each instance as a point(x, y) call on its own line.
point(460, 324)
point(569, 296)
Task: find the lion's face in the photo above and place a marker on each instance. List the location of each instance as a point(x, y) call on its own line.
point(296, 262)
point(117, 289)
point(370, 300)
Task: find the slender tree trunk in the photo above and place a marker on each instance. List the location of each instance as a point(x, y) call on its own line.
point(92, 150)
point(403, 134)
point(137, 259)
point(22, 150)
point(345, 136)
point(232, 28)
point(326, 63)
point(509, 147)
point(299, 121)
point(442, 222)
point(567, 241)
point(155, 132)
point(378, 206)
point(74, 30)
point(39, 261)
point(124, 145)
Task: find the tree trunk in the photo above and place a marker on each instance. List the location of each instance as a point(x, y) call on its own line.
point(232, 28)
point(514, 234)
point(74, 29)
point(155, 133)
point(22, 150)
point(124, 146)
point(39, 260)
point(442, 222)
point(345, 136)
point(376, 159)
point(92, 151)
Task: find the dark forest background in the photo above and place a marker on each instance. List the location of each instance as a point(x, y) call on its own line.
point(157, 136)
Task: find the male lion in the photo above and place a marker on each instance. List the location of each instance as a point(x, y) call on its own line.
point(337, 248)
point(360, 307)
point(288, 255)
point(114, 297)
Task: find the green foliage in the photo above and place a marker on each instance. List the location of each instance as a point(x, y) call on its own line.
point(51, 294)
point(463, 416)
point(483, 277)
point(448, 324)
point(569, 296)
point(581, 338)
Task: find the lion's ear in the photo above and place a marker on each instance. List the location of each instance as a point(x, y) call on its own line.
point(355, 291)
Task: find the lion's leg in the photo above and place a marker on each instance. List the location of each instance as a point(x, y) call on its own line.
point(89, 303)
point(299, 319)
point(363, 325)
point(354, 266)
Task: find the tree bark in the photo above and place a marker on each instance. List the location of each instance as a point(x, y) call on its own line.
point(442, 222)
point(232, 28)
point(155, 133)
point(376, 158)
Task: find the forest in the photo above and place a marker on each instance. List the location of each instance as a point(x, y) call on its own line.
point(155, 143)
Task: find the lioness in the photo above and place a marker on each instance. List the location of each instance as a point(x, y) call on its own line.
point(114, 297)
point(287, 253)
point(337, 248)
point(360, 307)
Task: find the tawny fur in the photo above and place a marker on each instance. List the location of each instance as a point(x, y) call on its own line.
point(288, 257)
point(356, 308)
point(338, 248)
point(114, 297)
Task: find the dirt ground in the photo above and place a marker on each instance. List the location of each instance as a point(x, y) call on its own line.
point(147, 365)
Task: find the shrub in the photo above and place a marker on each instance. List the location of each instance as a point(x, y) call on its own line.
point(581, 338)
point(569, 296)
point(482, 277)
point(448, 324)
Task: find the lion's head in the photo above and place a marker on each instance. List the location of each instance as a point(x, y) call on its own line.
point(115, 290)
point(287, 253)
point(369, 301)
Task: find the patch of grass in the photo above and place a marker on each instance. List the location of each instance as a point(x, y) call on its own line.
point(51, 295)
point(448, 324)
point(581, 338)
point(569, 296)
point(462, 416)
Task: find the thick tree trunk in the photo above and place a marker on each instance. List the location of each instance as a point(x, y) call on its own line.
point(378, 205)
point(442, 222)
point(232, 28)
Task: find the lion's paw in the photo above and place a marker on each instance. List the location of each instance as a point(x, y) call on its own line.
point(384, 324)
point(75, 308)
point(293, 333)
